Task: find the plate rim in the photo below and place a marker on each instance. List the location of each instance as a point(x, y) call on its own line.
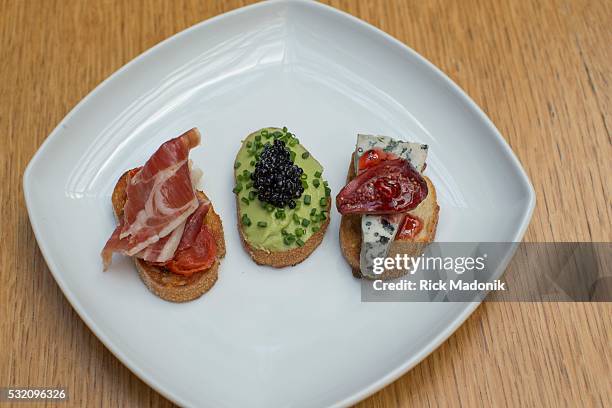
point(375, 385)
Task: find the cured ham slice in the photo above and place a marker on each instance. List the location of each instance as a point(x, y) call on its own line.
point(114, 244)
point(160, 198)
point(183, 236)
point(188, 249)
point(163, 250)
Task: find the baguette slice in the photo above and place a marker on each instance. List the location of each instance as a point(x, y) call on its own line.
point(350, 232)
point(285, 257)
point(167, 285)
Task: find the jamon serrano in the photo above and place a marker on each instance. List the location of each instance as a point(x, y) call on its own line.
point(161, 251)
point(160, 196)
point(164, 249)
point(162, 212)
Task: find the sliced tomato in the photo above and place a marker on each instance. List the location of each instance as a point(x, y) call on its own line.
point(197, 250)
point(372, 157)
point(197, 256)
point(389, 187)
point(410, 228)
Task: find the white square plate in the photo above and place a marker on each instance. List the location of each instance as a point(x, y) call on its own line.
point(261, 337)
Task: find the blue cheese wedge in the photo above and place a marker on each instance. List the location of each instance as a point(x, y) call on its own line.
point(378, 231)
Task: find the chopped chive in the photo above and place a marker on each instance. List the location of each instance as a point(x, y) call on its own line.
point(323, 202)
point(304, 184)
point(313, 211)
point(305, 222)
point(249, 144)
point(279, 214)
point(285, 129)
point(258, 137)
point(292, 155)
point(237, 164)
point(245, 200)
point(252, 195)
point(303, 176)
point(305, 155)
point(246, 220)
point(277, 134)
point(317, 174)
point(289, 239)
point(262, 224)
point(299, 242)
point(284, 231)
point(299, 232)
point(249, 184)
point(269, 207)
point(316, 183)
point(322, 216)
point(237, 189)
point(296, 218)
point(264, 132)
point(327, 191)
point(307, 199)
point(315, 229)
point(292, 142)
point(298, 205)
point(246, 173)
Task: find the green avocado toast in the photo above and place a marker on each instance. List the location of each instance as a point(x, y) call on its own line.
point(283, 202)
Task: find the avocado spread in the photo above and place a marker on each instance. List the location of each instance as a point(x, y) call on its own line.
point(266, 226)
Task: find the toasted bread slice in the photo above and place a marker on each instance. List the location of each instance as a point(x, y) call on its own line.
point(167, 285)
point(290, 257)
point(350, 232)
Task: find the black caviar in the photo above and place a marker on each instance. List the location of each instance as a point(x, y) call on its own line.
point(276, 179)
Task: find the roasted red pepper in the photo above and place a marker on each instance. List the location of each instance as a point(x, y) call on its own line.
point(388, 187)
point(410, 228)
point(372, 157)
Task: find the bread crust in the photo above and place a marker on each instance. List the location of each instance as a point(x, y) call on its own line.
point(280, 259)
point(167, 285)
point(350, 232)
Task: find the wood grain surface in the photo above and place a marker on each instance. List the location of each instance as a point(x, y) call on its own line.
point(540, 69)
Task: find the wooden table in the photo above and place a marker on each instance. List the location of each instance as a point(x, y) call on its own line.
point(540, 69)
